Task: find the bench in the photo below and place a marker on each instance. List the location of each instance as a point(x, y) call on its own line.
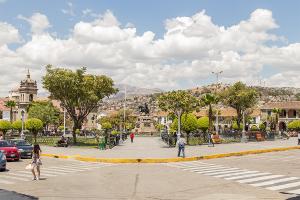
point(216, 139)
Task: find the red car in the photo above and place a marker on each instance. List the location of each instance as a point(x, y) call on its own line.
point(12, 153)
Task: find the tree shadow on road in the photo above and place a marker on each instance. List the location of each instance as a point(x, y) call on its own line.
point(5, 194)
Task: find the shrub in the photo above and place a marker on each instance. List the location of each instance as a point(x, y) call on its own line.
point(262, 127)
point(254, 128)
point(294, 125)
point(235, 126)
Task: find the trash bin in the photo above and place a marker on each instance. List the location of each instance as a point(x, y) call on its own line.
point(101, 143)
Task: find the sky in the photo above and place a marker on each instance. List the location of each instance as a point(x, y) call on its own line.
point(168, 44)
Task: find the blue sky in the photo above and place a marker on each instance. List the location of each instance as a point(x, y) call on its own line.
point(150, 15)
point(172, 42)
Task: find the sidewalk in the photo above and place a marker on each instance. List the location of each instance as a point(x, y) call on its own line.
point(154, 147)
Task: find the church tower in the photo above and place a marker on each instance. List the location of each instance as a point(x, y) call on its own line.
point(28, 91)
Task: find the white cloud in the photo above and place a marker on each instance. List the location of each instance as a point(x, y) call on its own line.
point(39, 22)
point(8, 34)
point(190, 49)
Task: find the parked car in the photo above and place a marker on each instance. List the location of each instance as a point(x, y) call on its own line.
point(11, 152)
point(2, 161)
point(24, 147)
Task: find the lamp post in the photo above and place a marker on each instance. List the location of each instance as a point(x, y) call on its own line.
point(217, 115)
point(244, 138)
point(22, 131)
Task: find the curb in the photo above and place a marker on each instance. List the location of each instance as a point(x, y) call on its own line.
point(167, 160)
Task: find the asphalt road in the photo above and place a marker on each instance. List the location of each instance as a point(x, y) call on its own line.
point(263, 176)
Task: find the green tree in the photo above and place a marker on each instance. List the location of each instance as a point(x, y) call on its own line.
point(10, 104)
point(276, 112)
point(203, 123)
point(178, 103)
point(189, 123)
point(17, 125)
point(34, 125)
point(45, 111)
point(78, 92)
point(4, 127)
point(210, 99)
point(159, 127)
point(240, 97)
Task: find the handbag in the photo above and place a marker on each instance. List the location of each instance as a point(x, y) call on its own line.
point(39, 162)
point(29, 166)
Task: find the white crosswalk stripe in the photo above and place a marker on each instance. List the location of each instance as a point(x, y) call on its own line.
point(246, 176)
point(253, 178)
point(50, 171)
point(272, 182)
point(262, 178)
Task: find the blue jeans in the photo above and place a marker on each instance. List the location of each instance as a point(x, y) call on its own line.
point(181, 149)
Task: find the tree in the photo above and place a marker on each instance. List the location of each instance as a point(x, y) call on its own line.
point(210, 99)
point(240, 97)
point(178, 103)
point(45, 111)
point(203, 123)
point(78, 92)
point(4, 127)
point(34, 125)
point(10, 104)
point(189, 124)
point(276, 111)
point(17, 125)
point(117, 120)
point(235, 126)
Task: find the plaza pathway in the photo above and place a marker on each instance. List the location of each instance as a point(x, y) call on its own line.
point(153, 147)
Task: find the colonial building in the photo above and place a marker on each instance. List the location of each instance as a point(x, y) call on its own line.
point(290, 111)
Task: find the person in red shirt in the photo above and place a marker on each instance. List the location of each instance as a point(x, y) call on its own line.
point(131, 137)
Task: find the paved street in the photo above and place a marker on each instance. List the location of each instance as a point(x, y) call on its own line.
point(263, 176)
point(154, 147)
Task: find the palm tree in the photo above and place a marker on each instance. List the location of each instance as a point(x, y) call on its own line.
point(210, 99)
point(10, 104)
point(276, 111)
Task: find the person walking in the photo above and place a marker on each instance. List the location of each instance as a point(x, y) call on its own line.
point(36, 162)
point(131, 137)
point(181, 146)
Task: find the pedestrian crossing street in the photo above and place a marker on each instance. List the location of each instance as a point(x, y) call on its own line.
point(50, 171)
point(269, 181)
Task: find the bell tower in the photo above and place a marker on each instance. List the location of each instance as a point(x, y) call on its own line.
point(28, 91)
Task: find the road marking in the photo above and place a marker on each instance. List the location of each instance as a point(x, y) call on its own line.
point(246, 176)
point(54, 172)
point(57, 169)
point(236, 174)
point(274, 181)
point(285, 186)
point(13, 177)
point(42, 173)
point(225, 172)
point(260, 178)
point(23, 175)
point(6, 182)
point(204, 168)
point(215, 170)
point(294, 191)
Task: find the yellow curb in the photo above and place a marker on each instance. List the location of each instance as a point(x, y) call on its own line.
point(167, 160)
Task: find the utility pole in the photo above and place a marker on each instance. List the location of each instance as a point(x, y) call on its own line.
point(218, 73)
point(124, 114)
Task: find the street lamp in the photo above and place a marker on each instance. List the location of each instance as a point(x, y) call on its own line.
point(217, 115)
point(64, 122)
point(22, 131)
